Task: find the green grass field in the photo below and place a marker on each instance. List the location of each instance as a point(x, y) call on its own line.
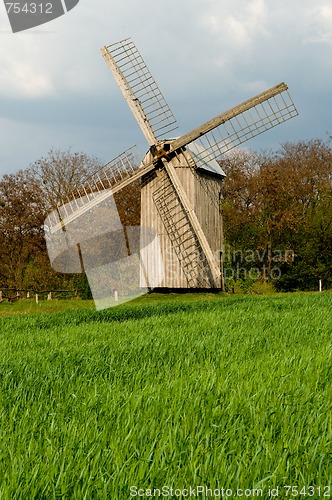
point(226, 392)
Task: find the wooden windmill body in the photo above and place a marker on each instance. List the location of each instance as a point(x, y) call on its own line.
point(184, 262)
point(180, 178)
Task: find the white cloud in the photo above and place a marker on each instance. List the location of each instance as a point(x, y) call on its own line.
point(21, 73)
point(321, 17)
point(239, 27)
point(24, 80)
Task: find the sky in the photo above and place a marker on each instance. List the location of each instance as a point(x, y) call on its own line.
point(57, 92)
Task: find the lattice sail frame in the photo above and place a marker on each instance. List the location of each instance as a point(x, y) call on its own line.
point(140, 90)
point(181, 233)
point(241, 123)
point(97, 187)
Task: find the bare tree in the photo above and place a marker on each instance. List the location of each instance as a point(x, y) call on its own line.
point(60, 172)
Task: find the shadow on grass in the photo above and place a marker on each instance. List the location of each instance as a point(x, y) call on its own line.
point(159, 306)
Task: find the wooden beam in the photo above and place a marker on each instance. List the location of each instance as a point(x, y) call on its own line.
point(227, 115)
point(103, 196)
point(215, 271)
point(130, 97)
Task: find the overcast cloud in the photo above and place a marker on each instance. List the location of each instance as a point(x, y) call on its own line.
point(57, 92)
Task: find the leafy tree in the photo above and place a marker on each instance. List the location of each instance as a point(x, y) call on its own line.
point(277, 202)
point(59, 176)
point(26, 198)
point(22, 211)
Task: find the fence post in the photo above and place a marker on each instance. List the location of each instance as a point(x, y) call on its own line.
point(320, 285)
point(37, 298)
point(0, 295)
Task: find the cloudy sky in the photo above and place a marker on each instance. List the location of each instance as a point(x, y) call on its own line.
point(206, 56)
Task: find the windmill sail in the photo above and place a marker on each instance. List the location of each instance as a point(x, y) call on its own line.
point(239, 124)
point(140, 90)
point(111, 178)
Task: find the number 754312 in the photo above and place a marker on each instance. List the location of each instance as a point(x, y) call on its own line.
point(29, 8)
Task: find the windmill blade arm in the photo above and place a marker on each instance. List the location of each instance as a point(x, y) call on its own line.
point(114, 176)
point(239, 124)
point(139, 89)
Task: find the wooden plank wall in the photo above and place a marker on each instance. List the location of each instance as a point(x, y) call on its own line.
point(203, 192)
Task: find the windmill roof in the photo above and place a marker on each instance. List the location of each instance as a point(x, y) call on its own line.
point(205, 163)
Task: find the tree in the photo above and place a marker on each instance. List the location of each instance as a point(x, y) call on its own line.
point(128, 203)
point(60, 172)
point(22, 212)
point(60, 175)
point(26, 198)
point(278, 205)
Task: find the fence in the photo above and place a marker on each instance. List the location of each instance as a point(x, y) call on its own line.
point(14, 294)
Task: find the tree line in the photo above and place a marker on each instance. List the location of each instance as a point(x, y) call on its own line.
point(276, 209)
point(26, 199)
point(277, 213)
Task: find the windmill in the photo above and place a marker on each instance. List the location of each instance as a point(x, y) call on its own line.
point(180, 177)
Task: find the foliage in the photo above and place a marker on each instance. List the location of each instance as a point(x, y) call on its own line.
point(276, 208)
point(128, 203)
point(261, 288)
point(26, 198)
point(173, 393)
point(277, 214)
point(22, 212)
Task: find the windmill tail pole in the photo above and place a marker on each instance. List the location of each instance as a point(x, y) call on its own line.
point(214, 269)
